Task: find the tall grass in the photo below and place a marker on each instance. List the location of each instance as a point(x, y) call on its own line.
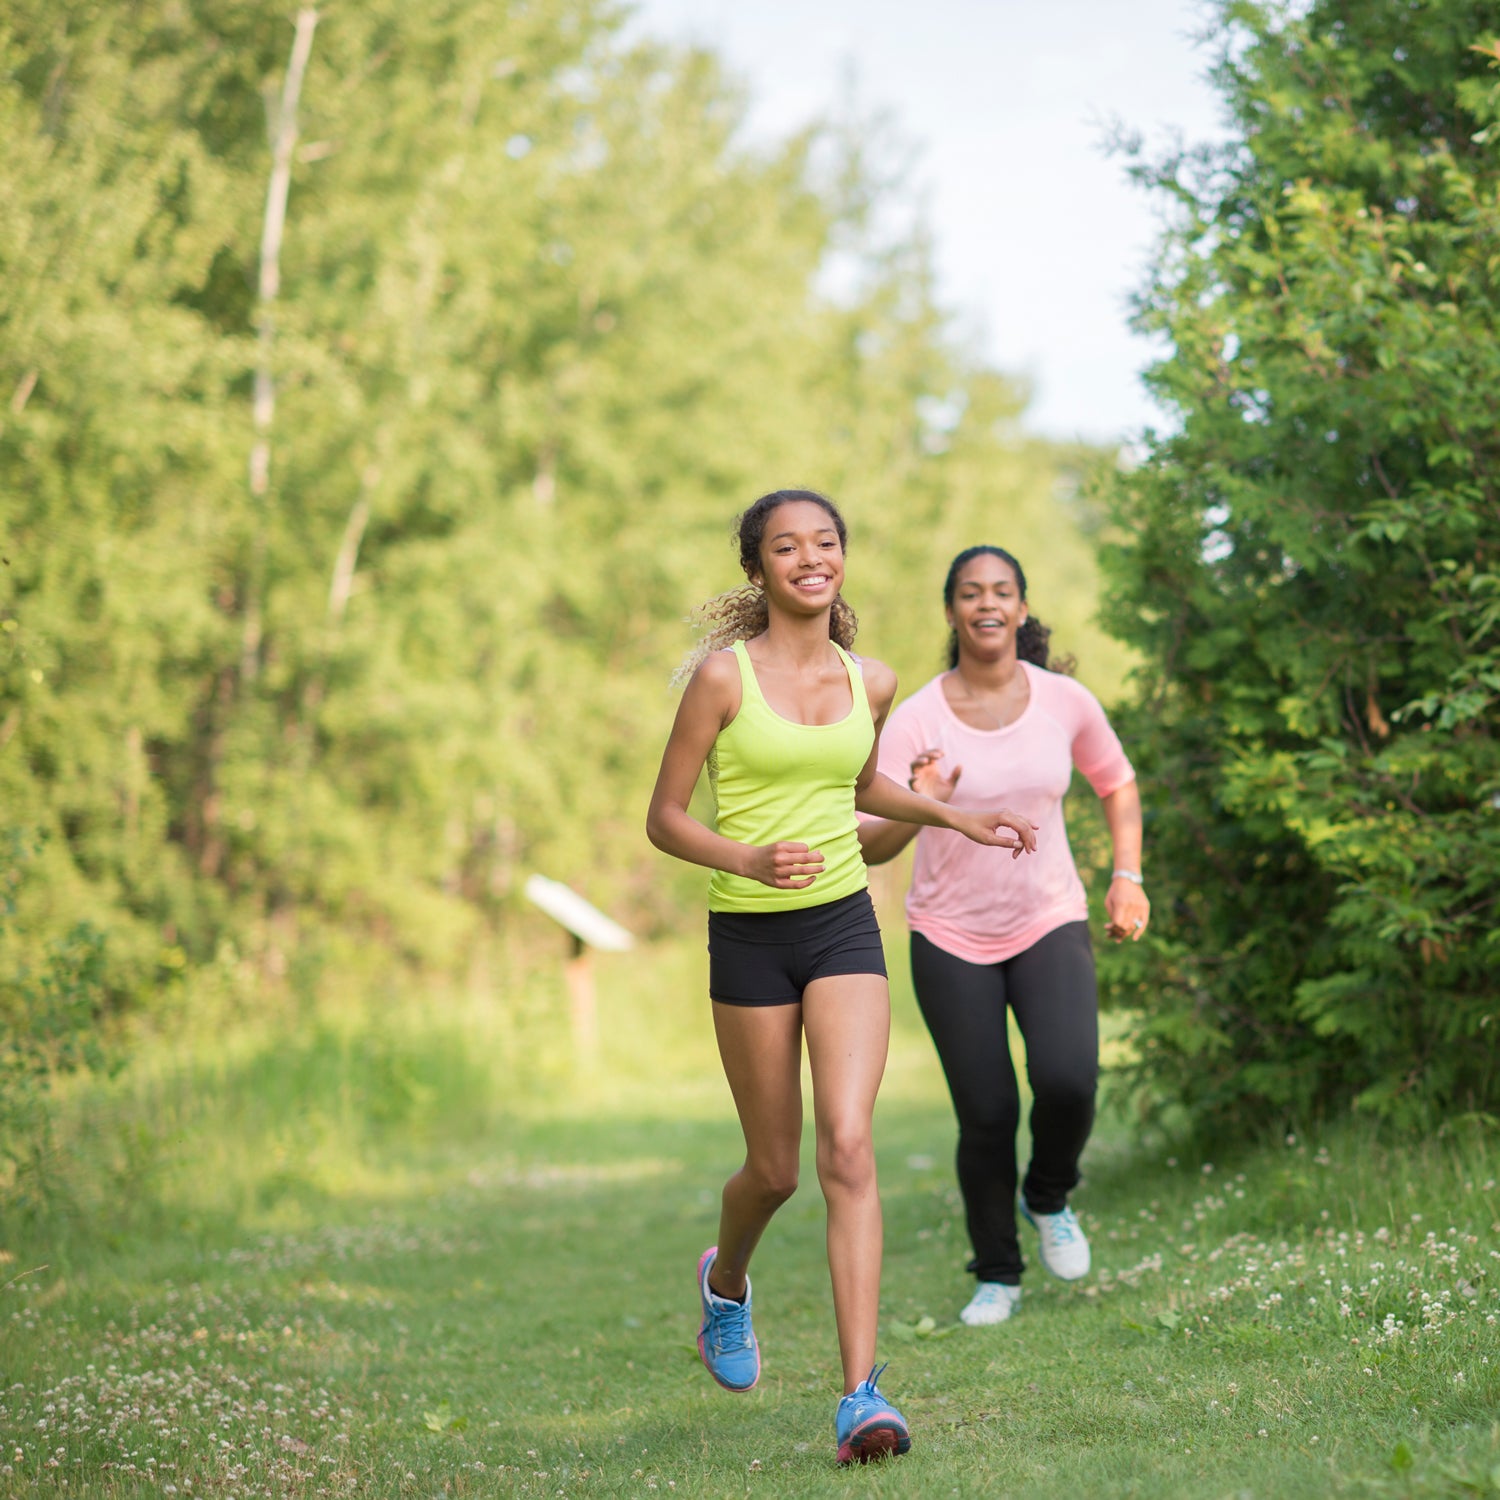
point(233, 1118)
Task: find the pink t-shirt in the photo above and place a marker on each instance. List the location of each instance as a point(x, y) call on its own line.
point(978, 903)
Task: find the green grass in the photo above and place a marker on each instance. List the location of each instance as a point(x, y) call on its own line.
point(415, 1254)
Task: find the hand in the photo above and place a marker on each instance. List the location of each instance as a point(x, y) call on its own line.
point(927, 781)
point(1128, 910)
point(999, 830)
point(786, 867)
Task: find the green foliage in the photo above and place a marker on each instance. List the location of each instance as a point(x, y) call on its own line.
point(50, 1005)
point(1310, 565)
point(544, 323)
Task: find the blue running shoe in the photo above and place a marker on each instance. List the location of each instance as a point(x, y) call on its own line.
point(867, 1425)
point(726, 1341)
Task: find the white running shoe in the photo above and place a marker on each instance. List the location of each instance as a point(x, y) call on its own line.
point(1064, 1249)
point(992, 1302)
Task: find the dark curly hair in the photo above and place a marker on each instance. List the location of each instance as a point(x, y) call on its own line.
point(1031, 638)
point(742, 612)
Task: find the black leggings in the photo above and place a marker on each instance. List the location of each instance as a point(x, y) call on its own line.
point(1051, 989)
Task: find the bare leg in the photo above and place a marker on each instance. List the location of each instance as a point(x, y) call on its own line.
point(761, 1047)
point(847, 1019)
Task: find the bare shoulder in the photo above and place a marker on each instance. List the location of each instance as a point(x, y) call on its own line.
point(715, 682)
point(717, 669)
point(880, 683)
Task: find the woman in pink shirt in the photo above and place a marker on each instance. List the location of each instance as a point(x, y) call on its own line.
point(989, 936)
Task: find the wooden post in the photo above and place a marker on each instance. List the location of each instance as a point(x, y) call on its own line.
point(586, 928)
point(582, 1010)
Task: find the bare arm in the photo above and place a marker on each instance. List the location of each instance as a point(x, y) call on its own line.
point(1125, 902)
point(883, 841)
point(711, 701)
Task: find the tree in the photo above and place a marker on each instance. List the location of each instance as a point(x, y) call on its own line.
point(1308, 563)
point(544, 321)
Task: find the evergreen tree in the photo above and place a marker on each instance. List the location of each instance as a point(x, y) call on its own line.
point(1309, 567)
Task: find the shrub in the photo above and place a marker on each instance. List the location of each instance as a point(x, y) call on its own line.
point(1308, 563)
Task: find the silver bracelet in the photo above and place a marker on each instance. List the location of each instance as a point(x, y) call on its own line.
point(1133, 876)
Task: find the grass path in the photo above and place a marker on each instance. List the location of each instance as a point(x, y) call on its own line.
point(509, 1310)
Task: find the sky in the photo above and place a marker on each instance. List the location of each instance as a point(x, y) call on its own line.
point(1040, 237)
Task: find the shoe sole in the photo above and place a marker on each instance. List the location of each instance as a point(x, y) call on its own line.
point(1061, 1276)
point(1003, 1313)
point(876, 1439)
point(703, 1263)
point(986, 1322)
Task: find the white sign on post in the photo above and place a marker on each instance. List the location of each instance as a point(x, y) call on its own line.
point(589, 928)
point(587, 923)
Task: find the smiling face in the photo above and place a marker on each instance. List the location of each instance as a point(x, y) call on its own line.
point(987, 608)
point(801, 558)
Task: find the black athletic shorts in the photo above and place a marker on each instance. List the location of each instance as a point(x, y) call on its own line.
point(770, 957)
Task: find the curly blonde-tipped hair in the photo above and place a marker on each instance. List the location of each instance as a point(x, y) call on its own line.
point(742, 612)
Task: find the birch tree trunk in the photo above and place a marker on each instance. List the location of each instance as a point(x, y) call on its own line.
point(263, 411)
point(283, 132)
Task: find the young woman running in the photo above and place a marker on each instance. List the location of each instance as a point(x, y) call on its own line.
point(983, 942)
point(787, 722)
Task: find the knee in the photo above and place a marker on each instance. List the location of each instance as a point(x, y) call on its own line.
point(846, 1160)
point(1070, 1091)
point(773, 1182)
point(989, 1120)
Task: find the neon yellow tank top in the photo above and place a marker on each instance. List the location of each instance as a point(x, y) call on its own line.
point(774, 780)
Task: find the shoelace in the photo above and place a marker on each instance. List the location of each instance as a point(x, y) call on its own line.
point(1065, 1228)
point(866, 1388)
point(731, 1324)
